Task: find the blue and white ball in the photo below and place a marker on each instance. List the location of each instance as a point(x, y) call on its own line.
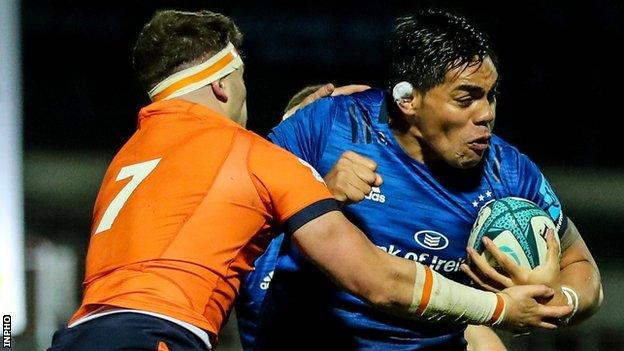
point(517, 227)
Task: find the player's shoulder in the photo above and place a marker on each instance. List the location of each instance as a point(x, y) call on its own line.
point(368, 99)
point(506, 152)
point(502, 147)
point(362, 108)
point(207, 135)
point(256, 140)
point(368, 96)
point(502, 157)
point(339, 107)
point(507, 160)
point(262, 149)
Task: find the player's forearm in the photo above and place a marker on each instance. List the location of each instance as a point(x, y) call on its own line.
point(412, 290)
point(388, 286)
point(409, 289)
point(437, 298)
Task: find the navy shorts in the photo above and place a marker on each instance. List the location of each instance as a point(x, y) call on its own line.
point(126, 331)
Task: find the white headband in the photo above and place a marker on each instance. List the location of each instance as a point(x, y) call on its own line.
point(218, 66)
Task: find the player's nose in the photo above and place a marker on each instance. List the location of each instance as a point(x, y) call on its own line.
point(485, 115)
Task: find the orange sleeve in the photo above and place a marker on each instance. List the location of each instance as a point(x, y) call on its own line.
point(290, 187)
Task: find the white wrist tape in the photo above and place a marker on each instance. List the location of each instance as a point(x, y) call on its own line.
point(437, 298)
point(573, 300)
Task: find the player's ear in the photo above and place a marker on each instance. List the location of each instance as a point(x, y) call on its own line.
point(409, 105)
point(219, 91)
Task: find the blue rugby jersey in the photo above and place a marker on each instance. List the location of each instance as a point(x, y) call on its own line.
point(420, 212)
point(252, 291)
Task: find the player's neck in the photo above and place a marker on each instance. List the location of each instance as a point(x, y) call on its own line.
point(410, 139)
point(206, 98)
point(410, 144)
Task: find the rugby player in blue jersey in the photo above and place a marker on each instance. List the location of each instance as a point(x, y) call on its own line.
point(350, 180)
point(432, 142)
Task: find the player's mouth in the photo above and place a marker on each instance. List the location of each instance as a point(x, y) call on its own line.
point(479, 144)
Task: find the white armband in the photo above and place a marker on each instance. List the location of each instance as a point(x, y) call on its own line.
point(573, 300)
point(437, 298)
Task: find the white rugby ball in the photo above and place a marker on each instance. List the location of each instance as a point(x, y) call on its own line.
point(517, 227)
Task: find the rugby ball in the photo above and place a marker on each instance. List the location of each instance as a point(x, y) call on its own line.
point(517, 227)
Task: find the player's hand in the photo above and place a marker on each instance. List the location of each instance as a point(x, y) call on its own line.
point(326, 90)
point(352, 177)
point(492, 279)
point(523, 312)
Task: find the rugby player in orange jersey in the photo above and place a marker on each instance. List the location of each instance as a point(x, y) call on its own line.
point(193, 198)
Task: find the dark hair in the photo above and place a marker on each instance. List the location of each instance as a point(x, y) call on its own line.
point(174, 40)
point(427, 45)
point(301, 95)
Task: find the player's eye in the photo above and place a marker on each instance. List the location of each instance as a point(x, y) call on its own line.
point(492, 96)
point(465, 101)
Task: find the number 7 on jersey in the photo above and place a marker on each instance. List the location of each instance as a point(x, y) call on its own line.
point(138, 172)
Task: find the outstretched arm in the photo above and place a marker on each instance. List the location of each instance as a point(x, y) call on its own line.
point(407, 288)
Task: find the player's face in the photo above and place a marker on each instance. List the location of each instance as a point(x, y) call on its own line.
point(455, 118)
point(237, 96)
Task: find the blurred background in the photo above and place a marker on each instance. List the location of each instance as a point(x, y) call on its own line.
point(69, 99)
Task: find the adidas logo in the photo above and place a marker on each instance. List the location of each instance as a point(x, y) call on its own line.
point(376, 195)
point(266, 281)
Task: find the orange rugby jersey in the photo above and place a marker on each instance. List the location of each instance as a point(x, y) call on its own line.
point(186, 206)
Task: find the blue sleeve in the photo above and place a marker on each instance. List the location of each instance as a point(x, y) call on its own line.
point(305, 132)
point(532, 185)
point(252, 292)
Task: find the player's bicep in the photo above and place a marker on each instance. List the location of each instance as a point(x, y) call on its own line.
point(573, 247)
point(339, 249)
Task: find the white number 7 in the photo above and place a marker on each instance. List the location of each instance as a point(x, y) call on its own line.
point(138, 172)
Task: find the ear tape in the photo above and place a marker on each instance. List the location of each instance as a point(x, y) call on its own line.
point(402, 90)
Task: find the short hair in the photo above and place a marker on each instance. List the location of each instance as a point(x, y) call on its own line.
point(425, 46)
point(174, 40)
point(301, 95)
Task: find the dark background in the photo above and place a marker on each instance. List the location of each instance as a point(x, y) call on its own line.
point(561, 77)
point(561, 101)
